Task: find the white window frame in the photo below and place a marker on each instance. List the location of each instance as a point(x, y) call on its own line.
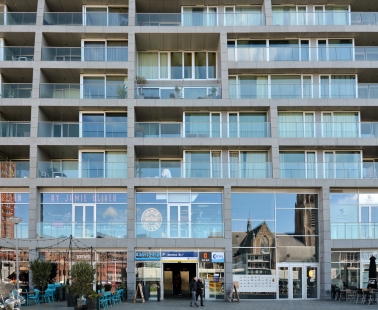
point(304, 120)
point(183, 65)
point(306, 152)
point(210, 163)
point(210, 122)
point(302, 84)
point(333, 121)
point(97, 40)
point(335, 162)
point(327, 47)
point(324, 13)
point(330, 84)
point(82, 76)
point(207, 12)
point(239, 161)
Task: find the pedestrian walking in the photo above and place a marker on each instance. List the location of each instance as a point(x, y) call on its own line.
point(193, 291)
point(200, 288)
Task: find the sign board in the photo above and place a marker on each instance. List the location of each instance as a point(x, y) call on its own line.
point(255, 283)
point(364, 199)
point(151, 219)
point(179, 256)
point(211, 257)
point(147, 255)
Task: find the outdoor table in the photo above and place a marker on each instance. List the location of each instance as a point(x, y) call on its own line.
point(372, 296)
point(342, 294)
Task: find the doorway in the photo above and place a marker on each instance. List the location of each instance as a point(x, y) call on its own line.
point(83, 221)
point(297, 281)
point(176, 279)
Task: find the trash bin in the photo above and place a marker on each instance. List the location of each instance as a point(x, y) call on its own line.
point(146, 292)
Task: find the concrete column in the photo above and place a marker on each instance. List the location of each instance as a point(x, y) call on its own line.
point(324, 242)
point(227, 216)
point(132, 11)
point(132, 70)
point(130, 242)
point(33, 208)
point(267, 8)
point(40, 10)
point(275, 155)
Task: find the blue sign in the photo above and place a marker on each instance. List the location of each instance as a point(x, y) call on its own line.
point(217, 257)
point(178, 255)
point(147, 255)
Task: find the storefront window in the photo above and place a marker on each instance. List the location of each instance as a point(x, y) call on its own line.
point(149, 273)
point(345, 270)
point(179, 215)
point(83, 215)
point(8, 267)
point(14, 204)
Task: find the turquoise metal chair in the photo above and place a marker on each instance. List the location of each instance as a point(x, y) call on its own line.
point(34, 297)
point(103, 302)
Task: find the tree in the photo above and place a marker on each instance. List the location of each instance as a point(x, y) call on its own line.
point(82, 277)
point(41, 271)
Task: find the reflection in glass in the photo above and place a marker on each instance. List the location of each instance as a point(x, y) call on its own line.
point(297, 248)
point(252, 205)
point(297, 221)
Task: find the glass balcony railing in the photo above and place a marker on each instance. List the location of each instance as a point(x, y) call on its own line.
point(302, 53)
point(331, 170)
point(85, 130)
point(14, 129)
point(17, 53)
point(14, 169)
point(75, 169)
point(83, 91)
point(186, 92)
point(86, 19)
point(178, 169)
point(262, 90)
point(200, 19)
point(64, 229)
point(328, 18)
point(22, 230)
point(111, 54)
point(18, 18)
point(354, 230)
point(179, 229)
point(13, 90)
point(328, 130)
point(202, 130)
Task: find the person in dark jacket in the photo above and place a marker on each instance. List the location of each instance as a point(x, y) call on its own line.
point(193, 291)
point(200, 288)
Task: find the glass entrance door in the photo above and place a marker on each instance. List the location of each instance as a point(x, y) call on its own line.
point(369, 220)
point(179, 221)
point(297, 281)
point(83, 221)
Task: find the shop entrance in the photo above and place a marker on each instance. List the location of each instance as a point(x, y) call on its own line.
point(177, 277)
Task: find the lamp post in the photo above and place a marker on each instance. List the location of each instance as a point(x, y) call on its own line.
point(16, 221)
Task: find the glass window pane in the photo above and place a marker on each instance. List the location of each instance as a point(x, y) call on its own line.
point(176, 65)
point(187, 65)
point(92, 125)
point(200, 65)
point(248, 205)
point(164, 65)
point(94, 87)
point(212, 66)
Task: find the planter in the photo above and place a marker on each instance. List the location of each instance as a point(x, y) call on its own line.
point(79, 308)
point(71, 299)
point(60, 293)
point(92, 304)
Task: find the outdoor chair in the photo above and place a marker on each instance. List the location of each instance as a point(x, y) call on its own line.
point(34, 297)
point(103, 302)
point(108, 298)
point(45, 297)
point(350, 295)
point(52, 287)
point(115, 298)
point(121, 294)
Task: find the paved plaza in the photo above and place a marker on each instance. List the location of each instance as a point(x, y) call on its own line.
point(222, 305)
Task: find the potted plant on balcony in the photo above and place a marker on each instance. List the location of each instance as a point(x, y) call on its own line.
point(121, 91)
point(82, 276)
point(179, 91)
point(140, 81)
point(41, 271)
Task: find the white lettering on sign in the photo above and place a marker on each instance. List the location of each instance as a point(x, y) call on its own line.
point(83, 256)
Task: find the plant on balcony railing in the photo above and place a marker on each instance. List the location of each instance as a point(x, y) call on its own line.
point(179, 91)
point(121, 91)
point(140, 80)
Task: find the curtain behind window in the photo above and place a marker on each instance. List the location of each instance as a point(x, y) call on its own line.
point(148, 65)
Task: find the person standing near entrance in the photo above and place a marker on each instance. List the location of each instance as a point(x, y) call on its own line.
point(200, 288)
point(193, 290)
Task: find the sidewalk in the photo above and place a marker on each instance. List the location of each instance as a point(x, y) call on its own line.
point(175, 304)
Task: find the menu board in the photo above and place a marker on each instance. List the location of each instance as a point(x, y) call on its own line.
point(255, 283)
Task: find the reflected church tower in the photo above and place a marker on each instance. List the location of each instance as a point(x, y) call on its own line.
point(306, 219)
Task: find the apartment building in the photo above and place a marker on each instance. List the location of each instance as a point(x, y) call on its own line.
point(229, 139)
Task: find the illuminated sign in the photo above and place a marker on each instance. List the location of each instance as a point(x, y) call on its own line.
point(151, 219)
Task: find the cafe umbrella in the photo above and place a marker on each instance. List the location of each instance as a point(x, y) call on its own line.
point(372, 273)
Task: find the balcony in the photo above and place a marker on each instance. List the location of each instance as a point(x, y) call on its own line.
point(262, 90)
point(202, 130)
point(14, 129)
point(199, 19)
point(328, 130)
point(85, 130)
point(8, 229)
point(328, 18)
point(86, 19)
point(179, 230)
point(82, 230)
point(302, 53)
point(75, 169)
point(354, 231)
point(329, 170)
point(13, 90)
point(18, 18)
point(14, 169)
point(83, 91)
point(178, 169)
point(111, 54)
point(17, 53)
point(185, 92)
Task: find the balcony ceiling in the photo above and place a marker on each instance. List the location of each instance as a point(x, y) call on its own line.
point(13, 75)
point(73, 75)
point(15, 113)
point(71, 113)
point(177, 41)
point(14, 152)
point(357, 5)
point(77, 5)
point(47, 152)
point(74, 39)
point(18, 38)
point(20, 5)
